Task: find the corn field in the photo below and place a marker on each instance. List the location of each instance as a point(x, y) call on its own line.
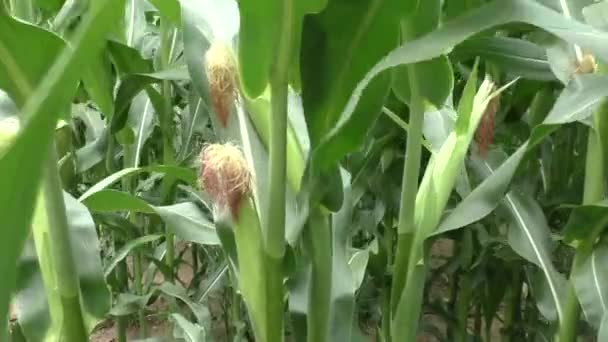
point(303, 170)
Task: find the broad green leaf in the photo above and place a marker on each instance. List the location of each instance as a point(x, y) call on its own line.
point(134, 23)
point(516, 57)
point(344, 282)
point(21, 65)
point(443, 40)
point(198, 36)
point(169, 9)
point(434, 78)
point(529, 235)
point(127, 248)
point(194, 123)
point(185, 219)
point(187, 175)
point(336, 54)
point(200, 311)
point(114, 200)
point(98, 81)
point(22, 173)
point(127, 303)
point(38, 296)
point(484, 198)
point(140, 121)
point(259, 112)
point(586, 223)
point(258, 39)
point(590, 281)
point(128, 60)
point(132, 84)
point(578, 100)
point(190, 332)
point(603, 331)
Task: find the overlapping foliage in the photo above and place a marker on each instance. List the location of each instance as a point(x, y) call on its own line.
point(383, 169)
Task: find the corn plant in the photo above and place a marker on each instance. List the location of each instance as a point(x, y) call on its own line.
point(303, 170)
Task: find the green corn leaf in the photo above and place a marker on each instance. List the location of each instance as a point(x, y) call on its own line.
point(590, 283)
point(587, 90)
point(41, 107)
point(185, 220)
point(36, 295)
point(332, 145)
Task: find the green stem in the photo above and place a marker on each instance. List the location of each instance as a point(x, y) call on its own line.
point(122, 281)
point(512, 304)
point(128, 184)
point(319, 239)
point(137, 279)
point(593, 191)
point(389, 237)
point(409, 190)
point(462, 307)
point(478, 318)
point(166, 123)
point(274, 238)
point(61, 252)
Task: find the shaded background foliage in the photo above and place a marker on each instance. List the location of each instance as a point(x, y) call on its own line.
point(505, 221)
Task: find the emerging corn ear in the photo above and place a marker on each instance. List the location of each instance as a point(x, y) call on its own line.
point(226, 178)
point(221, 69)
point(485, 131)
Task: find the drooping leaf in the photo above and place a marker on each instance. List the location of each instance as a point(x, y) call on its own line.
point(529, 236)
point(517, 57)
point(590, 281)
point(185, 219)
point(445, 38)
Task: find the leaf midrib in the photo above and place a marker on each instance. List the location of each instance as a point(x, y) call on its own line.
point(537, 252)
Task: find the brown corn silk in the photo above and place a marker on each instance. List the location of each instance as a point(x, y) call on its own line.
point(221, 69)
point(225, 176)
point(485, 132)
